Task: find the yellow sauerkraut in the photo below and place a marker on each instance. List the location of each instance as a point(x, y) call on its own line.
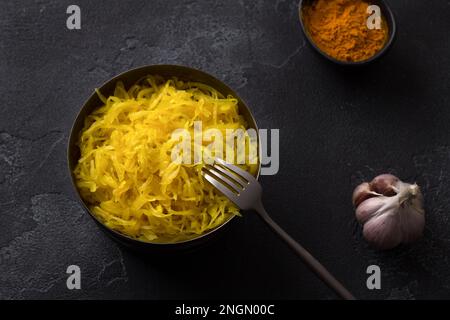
point(126, 174)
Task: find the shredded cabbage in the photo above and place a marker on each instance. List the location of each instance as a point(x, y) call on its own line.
point(125, 172)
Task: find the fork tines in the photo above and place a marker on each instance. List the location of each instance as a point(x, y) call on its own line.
point(229, 179)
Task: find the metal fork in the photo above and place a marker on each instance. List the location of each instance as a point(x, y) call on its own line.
point(245, 191)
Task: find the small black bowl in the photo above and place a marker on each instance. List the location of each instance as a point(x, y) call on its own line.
point(129, 78)
point(390, 20)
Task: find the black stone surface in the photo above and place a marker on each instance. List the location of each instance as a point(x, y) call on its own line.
point(338, 127)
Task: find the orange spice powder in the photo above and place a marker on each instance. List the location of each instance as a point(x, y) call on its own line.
point(339, 28)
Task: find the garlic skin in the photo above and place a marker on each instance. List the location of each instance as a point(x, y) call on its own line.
point(390, 210)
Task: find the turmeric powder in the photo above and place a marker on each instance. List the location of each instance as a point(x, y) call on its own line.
point(339, 28)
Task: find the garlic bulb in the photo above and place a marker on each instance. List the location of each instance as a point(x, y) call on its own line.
point(390, 210)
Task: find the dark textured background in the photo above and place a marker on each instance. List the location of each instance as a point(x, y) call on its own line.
point(338, 127)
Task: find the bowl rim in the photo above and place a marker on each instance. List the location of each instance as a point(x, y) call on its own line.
point(71, 137)
point(392, 35)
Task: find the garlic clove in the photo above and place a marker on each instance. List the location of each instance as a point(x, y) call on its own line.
point(383, 231)
point(412, 227)
point(384, 184)
point(362, 193)
point(368, 208)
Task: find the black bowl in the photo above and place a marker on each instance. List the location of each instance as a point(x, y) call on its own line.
point(390, 20)
point(129, 78)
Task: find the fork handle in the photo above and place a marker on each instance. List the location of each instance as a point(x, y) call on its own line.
point(307, 258)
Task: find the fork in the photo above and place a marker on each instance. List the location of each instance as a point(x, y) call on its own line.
point(245, 191)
